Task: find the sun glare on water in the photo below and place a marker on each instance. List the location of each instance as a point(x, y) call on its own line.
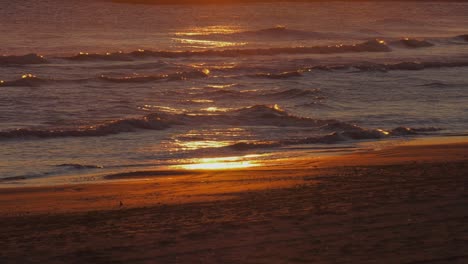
point(223, 163)
point(193, 37)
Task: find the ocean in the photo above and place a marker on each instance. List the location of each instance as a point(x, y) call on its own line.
point(92, 88)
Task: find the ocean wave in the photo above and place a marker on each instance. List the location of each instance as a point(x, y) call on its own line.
point(434, 84)
point(362, 66)
point(31, 80)
point(421, 65)
point(292, 93)
point(404, 65)
point(463, 37)
point(79, 166)
point(178, 76)
point(258, 115)
point(355, 133)
point(412, 43)
point(27, 80)
point(31, 58)
point(151, 122)
point(278, 32)
point(368, 46)
point(282, 31)
point(276, 76)
point(254, 94)
point(400, 22)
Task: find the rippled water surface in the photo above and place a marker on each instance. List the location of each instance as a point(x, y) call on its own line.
point(92, 87)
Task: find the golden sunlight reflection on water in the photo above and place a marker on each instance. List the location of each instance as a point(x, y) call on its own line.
point(193, 145)
point(197, 37)
point(212, 138)
point(201, 31)
point(222, 163)
point(201, 44)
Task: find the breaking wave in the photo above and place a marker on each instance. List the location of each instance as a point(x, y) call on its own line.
point(22, 59)
point(27, 80)
point(152, 121)
point(374, 45)
point(259, 115)
point(354, 133)
point(31, 80)
point(368, 46)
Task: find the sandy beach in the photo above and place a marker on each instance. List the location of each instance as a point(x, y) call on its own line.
point(403, 204)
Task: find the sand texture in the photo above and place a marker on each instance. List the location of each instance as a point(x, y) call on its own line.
point(406, 204)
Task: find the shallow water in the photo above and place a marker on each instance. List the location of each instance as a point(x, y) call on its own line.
point(91, 88)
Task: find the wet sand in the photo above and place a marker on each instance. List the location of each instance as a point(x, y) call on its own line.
point(404, 204)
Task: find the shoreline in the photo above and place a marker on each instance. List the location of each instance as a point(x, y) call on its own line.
point(403, 204)
point(191, 182)
point(303, 157)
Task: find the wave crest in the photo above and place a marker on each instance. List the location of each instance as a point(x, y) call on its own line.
point(356, 133)
point(463, 37)
point(368, 46)
point(31, 58)
point(276, 76)
point(413, 43)
point(27, 80)
point(258, 115)
point(178, 76)
point(152, 122)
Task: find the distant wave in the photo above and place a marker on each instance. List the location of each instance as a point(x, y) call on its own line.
point(368, 46)
point(281, 31)
point(282, 75)
point(412, 66)
point(197, 74)
point(434, 84)
point(463, 37)
point(254, 94)
point(400, 22)
point(27, 80)
point(31, 80)
point(258, 115)
point(402, 66)
point(412, 43)
point(291, 93)
point(22, 59)
point(278, 32)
